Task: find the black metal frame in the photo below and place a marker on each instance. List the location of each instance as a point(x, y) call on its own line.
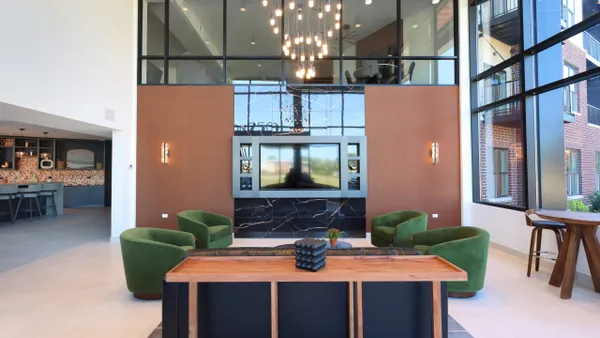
point(225, 57)
point(528, 93)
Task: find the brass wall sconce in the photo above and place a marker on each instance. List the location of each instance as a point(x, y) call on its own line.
point(435, 152)
point(164, 152)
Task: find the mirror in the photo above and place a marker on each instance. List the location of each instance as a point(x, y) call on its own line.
point(80, 159)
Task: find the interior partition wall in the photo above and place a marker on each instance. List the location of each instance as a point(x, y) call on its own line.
point(534, 83)
point(385, 42)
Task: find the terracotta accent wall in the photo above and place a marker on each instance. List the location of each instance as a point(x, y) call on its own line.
point(27, 167)
point(197, 123)
point(401, 125)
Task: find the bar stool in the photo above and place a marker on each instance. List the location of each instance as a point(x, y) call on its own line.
point(8, 193)
point(535, 246)
point(49, 191)
point(31, 193)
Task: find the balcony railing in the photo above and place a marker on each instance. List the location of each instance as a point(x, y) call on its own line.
point(591, 46)
point(593, 115)
point(500, 7)
point(499, 91)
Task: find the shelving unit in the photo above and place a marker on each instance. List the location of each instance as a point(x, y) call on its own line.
point(11, 147)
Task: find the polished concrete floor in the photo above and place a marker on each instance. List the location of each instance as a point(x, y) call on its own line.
point(63, 278)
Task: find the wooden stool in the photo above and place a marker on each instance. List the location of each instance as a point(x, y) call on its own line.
point(535, 246)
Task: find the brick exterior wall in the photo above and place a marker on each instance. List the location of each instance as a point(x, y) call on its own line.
point(503, 136)
point(580, 135)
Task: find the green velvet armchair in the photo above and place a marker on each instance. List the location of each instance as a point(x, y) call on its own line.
point(465, 247)
point(211, 230)
point(396, 228)
point(148, 254)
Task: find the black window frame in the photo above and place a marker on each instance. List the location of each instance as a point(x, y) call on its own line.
point(527, 97)
point(225, 57)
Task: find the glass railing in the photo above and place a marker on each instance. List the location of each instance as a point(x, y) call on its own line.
point(501, 7)
point(593, 115)
point(591, 46)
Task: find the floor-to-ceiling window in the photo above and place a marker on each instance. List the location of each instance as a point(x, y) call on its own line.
point(535, 83)
point(321, 42)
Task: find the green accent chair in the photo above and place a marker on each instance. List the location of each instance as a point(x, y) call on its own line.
point(396, 228)
point(148, 254)
point(463, 246)
point(211, 230)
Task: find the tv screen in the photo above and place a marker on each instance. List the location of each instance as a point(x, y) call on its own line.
point(300, 166)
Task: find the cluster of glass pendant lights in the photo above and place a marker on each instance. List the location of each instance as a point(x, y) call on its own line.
point(305, 41)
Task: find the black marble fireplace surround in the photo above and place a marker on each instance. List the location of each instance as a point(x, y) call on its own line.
point(298, 217)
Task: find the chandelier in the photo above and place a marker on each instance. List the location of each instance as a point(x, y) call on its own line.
point(304, 39)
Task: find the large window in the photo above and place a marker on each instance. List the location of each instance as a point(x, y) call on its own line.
point(536, 105)
point(383, 42)
point(501, 164)
point(573, 174)
point(570, 91)
point(567, 13)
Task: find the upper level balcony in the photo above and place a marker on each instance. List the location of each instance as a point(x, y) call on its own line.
point(593, 115)
point(500, 19)
point(591, 46)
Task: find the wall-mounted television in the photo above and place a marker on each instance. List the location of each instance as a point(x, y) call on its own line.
point(303, 166)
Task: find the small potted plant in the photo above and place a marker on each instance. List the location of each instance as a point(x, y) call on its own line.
point(333, 235)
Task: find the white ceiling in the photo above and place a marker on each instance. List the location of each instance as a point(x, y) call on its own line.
point(35, 123)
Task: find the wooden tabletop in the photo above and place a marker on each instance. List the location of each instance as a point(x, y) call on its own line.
point(574, 217)
point(338, 269)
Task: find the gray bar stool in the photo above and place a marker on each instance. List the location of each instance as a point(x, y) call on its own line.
point(49, 191)
point(8, 193)
point(31, 193)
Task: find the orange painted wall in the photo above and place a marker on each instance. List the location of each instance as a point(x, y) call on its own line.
point(402, 123)
point(197, 123)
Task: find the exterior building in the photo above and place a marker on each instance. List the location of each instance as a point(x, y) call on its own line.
point(501, 142)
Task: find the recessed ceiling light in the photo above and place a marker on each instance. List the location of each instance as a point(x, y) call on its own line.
point(185, 9)
point(259, 65)
point(415, 26)
point(243, 9)
point(207, 42)
point(357, 25)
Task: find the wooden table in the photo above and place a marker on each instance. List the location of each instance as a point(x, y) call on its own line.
point(349, 269)
point(581, 226)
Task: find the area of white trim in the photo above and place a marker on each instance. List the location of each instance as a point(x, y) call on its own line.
point(575, 197)
point(500, 199)
point(593, 125)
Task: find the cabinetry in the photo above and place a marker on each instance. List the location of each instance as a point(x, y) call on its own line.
point(83, 196)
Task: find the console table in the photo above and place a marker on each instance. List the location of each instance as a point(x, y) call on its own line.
point(353, 296)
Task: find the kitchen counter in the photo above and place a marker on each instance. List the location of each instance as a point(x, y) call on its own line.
point(43, 200)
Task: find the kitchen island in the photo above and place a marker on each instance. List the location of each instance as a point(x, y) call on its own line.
point(45, 202)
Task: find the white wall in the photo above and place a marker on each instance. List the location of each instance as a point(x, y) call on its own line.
point(506, 227)
point(77, 59)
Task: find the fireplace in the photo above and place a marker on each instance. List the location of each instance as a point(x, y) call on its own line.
point(298, 186)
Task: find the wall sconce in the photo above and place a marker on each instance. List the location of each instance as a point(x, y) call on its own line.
point(164, 152)
point(435, 152)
